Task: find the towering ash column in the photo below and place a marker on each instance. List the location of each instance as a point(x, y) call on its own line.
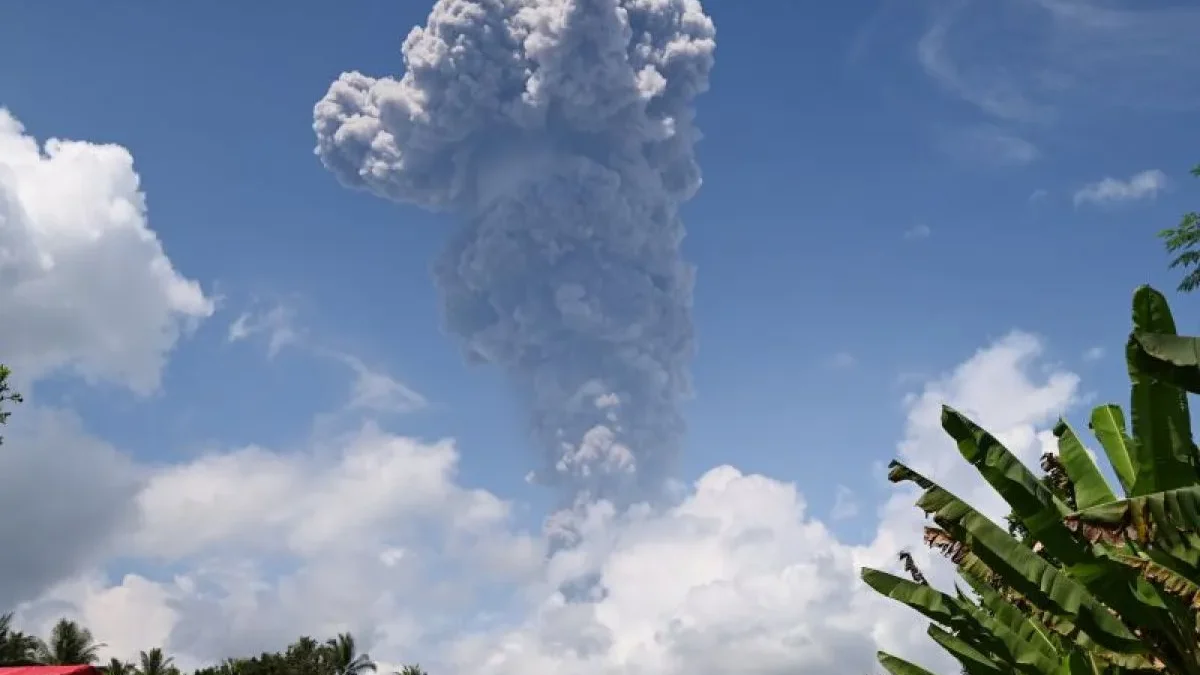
point(560, 133)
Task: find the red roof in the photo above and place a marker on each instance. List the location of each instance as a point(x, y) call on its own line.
point(50, 670)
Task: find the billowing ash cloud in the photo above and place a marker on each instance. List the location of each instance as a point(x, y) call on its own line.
point(560, 132)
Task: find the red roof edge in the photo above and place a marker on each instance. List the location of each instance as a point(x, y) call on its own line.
point(51, 670)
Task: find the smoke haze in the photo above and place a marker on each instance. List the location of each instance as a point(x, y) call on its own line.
point(560, 134)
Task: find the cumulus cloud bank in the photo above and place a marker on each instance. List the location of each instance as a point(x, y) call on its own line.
point(86, 287)
point(560, 133)
point(375, 533)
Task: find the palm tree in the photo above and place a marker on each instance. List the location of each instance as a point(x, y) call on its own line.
point(155, 662)
point(305, 656)
point(69, 645)
point(344, 658)
point(16, 648)
point(116, 666)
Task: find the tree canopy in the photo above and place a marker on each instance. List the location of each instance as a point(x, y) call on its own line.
point(70, 643)
point(1184, 241)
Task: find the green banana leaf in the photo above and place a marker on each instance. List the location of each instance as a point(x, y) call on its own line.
point(1044, 585)
point(974, 626)
point(898, 666)
point(1169, 358)
point(1024, 626)
point(1090, 487)
point(1043, 515)
point(1170, 580)
point(1108, 424)
point(1078, 663)
point(1170, 520)
point(973, 661)
point(1015, 483)
point(927, 600)
point(1059, 630)
point(1112, 588)
point(1165, 456)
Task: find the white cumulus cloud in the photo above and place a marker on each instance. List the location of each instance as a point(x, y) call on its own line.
point(81, 272)
point(86, 288)
point(1142, 185)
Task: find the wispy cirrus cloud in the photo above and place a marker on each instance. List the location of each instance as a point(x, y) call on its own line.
point(991, 90)
point(1032, 61)
point(842, 360)
point(277, 323)
point(918, 231)
point(989, 144)
point(374, 391)
point(845, 504)
point(1026, 65)
point(377, 392)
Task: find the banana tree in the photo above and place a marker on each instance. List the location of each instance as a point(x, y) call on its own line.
point(1103, 579)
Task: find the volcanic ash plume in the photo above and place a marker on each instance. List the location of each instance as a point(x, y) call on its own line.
point(560, 133)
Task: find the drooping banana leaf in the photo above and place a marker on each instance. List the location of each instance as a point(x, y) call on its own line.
point(1169, 358)
point(974, 626)
point(1028, 629)
point(1000, 638)
point(973, 661)
point(1170, 520)
point(927, 600)
point(1045, 586)
point(1168, 579)
point(971, 567)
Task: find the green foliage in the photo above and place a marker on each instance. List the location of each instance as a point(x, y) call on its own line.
point(1184, 240)
point(155, 662)
point(1086, 578)
point(345, 657)
point(118, 667)
point(71, 644)
point(306, 656)
point(16, 648)
point(7, 395)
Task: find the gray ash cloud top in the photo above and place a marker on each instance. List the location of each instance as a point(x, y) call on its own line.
point(561, 134)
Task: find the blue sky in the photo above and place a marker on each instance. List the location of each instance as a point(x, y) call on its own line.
point(888, 188)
